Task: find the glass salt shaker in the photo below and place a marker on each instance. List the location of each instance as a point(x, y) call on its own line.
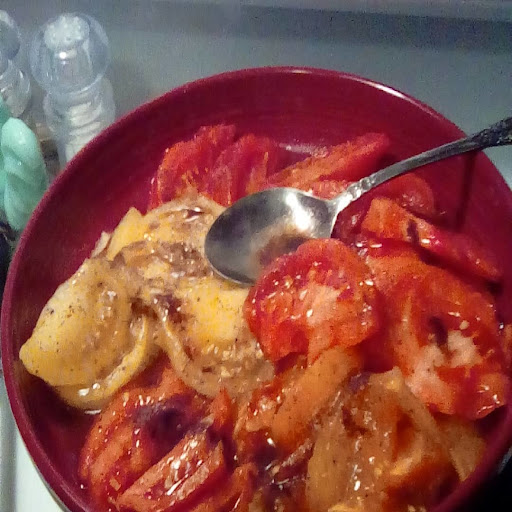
point(69, 56)
point(14, 84)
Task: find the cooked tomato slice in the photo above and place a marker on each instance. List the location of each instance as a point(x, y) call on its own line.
point(305, 302)
point(410, 191)
point(234, 495)
point(142, 422)
point(443, 334)
point(185, 163)
point(194, 467)
point(242, 168)
point(386, 219)
point(222, 413)
point(327, 189)
point(349, 161)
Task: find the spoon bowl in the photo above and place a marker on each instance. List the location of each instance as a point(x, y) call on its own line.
point(263, 226)
point(260, 227)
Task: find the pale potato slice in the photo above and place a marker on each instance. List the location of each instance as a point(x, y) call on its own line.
point(206, 336)
point(131, 229)
point(207, 339)
point(84, 342)
point(185, 220)
point(212, 308)
point(82, 332)
point(143, 349)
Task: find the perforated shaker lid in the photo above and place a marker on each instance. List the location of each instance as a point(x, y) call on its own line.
point(69, 54)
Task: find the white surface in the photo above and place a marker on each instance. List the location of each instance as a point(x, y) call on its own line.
point(30, 492)
point(7, 452)
point(21, 489)
point(461, 68)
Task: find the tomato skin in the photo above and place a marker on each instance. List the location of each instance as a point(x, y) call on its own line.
point(349, 161)
point(327, 189)
point(133, 432)
point(386, 219)
point(313, 299)
point(190, 470)
point(412, 193)
point(241, 169)
point(234, 494)
point(442, 333)
point(409, 191)
point(185, 163)
point(213, 163)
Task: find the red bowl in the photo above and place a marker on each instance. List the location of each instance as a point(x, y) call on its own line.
point(303, 108)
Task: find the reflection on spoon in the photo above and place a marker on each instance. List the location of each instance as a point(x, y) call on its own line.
point(260, 227)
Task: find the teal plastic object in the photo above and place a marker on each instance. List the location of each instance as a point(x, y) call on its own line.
point(23, 176)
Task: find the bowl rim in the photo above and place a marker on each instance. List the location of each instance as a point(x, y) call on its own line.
point(63, 492)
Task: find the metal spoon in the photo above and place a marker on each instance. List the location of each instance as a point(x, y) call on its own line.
point(260, 227)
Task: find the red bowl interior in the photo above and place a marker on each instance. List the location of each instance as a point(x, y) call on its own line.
point(303, 108)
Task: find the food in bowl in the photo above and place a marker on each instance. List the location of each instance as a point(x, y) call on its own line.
point(354, 375)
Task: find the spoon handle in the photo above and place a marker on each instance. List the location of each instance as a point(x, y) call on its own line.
point(498, 134)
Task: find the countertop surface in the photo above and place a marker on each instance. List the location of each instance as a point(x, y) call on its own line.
point(461, 67)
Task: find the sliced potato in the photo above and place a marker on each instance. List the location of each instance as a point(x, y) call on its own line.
point(131, 229)
point(183, 220)
point(142, 331)
point(84, 342)
point(82, 331)
point(213, 308)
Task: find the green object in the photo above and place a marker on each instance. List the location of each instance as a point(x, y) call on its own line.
point(23, 178)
